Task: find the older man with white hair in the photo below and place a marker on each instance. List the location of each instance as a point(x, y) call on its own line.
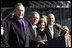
point(33, 20)
point(17, 28)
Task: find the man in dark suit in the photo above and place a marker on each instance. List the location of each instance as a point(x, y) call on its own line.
point(18, 29)
point(3, 35)
point(51, 31)
point(33, 20)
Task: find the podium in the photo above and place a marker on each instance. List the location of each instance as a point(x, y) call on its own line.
point(56, 42)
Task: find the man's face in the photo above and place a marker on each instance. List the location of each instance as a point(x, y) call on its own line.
point(19, 11)
point(34, 19)
point(51, 19)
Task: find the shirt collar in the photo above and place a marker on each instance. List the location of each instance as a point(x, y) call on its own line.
point(50, 25)
point(18, 19)
point(33, 26)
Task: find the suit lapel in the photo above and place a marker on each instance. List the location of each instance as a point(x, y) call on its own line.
point(17, 27)
point(31, 29)
point(48, 31)
point(55, 33)
point(25, 27)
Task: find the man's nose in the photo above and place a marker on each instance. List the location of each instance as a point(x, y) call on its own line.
point(19, 12)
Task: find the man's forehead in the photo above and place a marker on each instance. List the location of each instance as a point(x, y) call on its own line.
point(51, 16)
point(35, 15)
point(20, 7)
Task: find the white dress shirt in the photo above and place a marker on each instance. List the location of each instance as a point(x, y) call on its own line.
point(34, 28)
point(51, 30)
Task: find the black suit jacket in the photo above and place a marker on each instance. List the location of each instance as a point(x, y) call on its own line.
point(32, 33)
point(15, 37)
point(33, 39)
point(4, 37)
point(49, 34)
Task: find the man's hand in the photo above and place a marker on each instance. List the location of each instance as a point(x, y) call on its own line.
point(42, 41)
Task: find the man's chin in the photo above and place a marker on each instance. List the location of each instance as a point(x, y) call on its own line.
point(20, 16)
point(51, 23)
point(35, 23)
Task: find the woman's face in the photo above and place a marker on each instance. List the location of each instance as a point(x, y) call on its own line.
point(41, 26)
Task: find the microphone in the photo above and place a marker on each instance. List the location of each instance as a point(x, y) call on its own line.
point(58, 27)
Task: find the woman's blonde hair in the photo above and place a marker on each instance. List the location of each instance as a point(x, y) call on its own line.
point(66, 28)
point(42, 20)
point(44, 17)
